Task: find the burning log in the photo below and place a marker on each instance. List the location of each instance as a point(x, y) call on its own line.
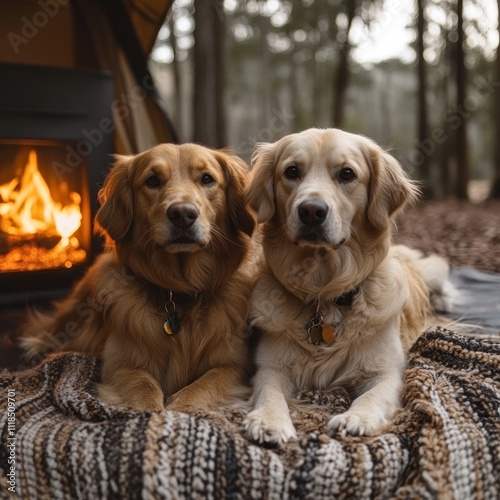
point(47, 240)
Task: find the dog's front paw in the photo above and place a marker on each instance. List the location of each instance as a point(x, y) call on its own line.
point(268, 427)
point(183, 402)
point(145, 401)
point(182, 407)
point(357, 423)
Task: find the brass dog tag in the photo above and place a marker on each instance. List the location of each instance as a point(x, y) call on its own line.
point(172, 324)
point(328, 334)
point(166, 327)
point(318, 332)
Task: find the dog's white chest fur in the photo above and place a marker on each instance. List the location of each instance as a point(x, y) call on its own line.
point(367, 337)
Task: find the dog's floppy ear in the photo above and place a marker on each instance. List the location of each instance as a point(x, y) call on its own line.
point(390, 188)
point(114, 218)
point(236, 171)
point(260, 192)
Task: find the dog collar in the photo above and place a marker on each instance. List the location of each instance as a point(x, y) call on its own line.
point(318, 331)
point(346, 299)
point(172, 324)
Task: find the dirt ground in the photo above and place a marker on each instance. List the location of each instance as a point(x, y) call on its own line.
point(467, 233)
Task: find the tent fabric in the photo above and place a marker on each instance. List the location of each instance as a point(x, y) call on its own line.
point(140, 119)
point(147, 17)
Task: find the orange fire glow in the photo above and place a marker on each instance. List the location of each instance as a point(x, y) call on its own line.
point(37, 231)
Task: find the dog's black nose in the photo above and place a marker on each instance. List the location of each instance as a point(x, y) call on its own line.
point(182, 215)
point(312, 213)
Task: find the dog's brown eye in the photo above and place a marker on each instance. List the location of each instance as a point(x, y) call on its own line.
point(347, 175)
point(207, 180)
point(152, 181)
point(292, 172)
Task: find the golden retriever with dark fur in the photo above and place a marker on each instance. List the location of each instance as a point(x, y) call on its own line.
point(335, 304)
point(166, 306)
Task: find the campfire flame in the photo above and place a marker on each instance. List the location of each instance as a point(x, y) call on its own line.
point(27, 208)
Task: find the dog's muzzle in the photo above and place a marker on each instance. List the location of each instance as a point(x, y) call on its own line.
point(183, 218)
point(182, 215)
point(314, 226)
point(312, 215)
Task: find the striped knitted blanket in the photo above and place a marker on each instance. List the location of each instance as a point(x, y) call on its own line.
point(57, 440)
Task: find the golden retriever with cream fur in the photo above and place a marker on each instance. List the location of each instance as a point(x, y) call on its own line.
point(335, 304)
point(175, 221)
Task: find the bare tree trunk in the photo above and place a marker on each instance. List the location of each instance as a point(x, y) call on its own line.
point(445, 154)
point(385, 108)
point(342, 78)
point(297, 108)
point(495, 188)
point(265, 82)
point(219, 25)
point(316, 87)
point(179, 109)
point(463, 173)
point(316, 69)
point(209, 77)
point(423, 125)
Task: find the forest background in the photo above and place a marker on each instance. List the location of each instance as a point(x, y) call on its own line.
point(422, 78)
